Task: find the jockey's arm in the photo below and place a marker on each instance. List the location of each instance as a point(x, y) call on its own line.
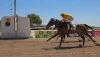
point(70, 18)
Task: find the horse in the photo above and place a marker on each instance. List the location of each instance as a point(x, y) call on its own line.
point(62, 30)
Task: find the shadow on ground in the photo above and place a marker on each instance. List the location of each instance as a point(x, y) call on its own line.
point(63, 48)
point(71, 47)
point(13, 38)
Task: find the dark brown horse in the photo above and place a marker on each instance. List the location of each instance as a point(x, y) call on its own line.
point(62, 30)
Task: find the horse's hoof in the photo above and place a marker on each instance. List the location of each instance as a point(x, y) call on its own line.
point(59, 46)
point(79, 40)
point(97, 44)
point(81, 46)
point(47, 40)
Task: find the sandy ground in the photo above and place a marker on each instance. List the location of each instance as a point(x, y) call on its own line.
point(40, 48)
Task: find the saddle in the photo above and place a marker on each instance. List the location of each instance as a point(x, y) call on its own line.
point(70, 27)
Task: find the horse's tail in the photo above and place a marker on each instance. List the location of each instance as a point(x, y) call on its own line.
point(89, 27)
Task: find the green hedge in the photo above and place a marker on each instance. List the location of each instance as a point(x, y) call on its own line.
point(44, 33)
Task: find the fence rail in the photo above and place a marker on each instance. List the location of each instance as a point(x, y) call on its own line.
point(49, 33)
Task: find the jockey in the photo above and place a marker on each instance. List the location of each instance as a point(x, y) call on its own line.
point(67, 18)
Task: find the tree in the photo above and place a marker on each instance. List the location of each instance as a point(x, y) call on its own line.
point(34, 19)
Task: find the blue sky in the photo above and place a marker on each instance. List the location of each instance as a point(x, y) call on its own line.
point(83, 11)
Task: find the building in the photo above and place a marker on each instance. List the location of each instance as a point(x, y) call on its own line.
point(9, 30)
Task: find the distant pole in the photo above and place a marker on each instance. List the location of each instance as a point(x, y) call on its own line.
point(15, 19)
point(14, 8)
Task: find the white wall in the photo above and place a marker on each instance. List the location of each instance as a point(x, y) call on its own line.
point(23, 28)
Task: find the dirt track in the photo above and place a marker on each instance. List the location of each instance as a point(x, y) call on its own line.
point(41, 48)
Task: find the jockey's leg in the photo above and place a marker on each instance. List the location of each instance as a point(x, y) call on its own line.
point(69, 26)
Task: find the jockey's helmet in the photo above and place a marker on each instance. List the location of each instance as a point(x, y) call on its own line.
point(65, 14)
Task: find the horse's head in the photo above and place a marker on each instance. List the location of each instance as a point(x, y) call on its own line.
point(51, 23)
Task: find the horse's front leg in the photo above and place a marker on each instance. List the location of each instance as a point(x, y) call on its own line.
point(52, 37)
point(83, 39)
point(62, 38)
point(58, 37)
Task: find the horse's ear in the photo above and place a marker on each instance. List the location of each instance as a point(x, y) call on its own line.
point(57, 20)
point(52, 19)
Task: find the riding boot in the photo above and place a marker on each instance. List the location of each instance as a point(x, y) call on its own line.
point(71, 28)
point(63, 24)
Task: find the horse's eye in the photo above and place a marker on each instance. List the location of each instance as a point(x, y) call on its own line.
point(52, 21)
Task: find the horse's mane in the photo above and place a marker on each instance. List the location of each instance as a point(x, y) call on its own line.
point(56, 20)
point(58, 23)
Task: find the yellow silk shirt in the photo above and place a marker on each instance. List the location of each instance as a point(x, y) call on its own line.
point(67, 18)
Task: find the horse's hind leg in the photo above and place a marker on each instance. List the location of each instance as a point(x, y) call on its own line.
point(82, 36)
point(92, 39)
